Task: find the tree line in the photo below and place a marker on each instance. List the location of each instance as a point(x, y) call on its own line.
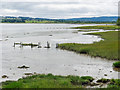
point(13, 21)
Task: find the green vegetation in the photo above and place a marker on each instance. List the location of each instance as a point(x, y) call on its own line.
point(116, 64)
point(66, 21)
point(9, 20)
point(43, 20)
point(35, 21)
point(118, 22)
point(103, 80)
point(86, 30)
point(107, 48)
point(55, 81)
point(49, 81)
point(105, 27)
point(114, 83)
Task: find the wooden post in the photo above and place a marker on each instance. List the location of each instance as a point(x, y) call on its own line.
point(21, 44)
point(39, 45)
point(57, 45)
point(31, 45)
point(48, 45)
point(14, 44)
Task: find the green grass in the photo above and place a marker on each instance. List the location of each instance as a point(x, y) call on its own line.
point(57, 81)
point(103, 80)
point(105, 27)
point(49, 81)
point(105, 49)
point(86, 30)
point(44, 21)
point(114, 83)
point(116, 64)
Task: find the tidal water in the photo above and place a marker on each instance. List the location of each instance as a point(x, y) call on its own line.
point(52, 60)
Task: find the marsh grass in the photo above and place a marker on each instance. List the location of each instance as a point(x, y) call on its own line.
point(57, 81)
point(105, 27)
point(107, 48)
point(49, 81)
point(114, 83)
point(103, 80)
point(87, 30)
point(116, 64)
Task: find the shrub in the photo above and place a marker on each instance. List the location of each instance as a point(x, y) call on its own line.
point(116, 64)
point(103, 80)
point(88, 78)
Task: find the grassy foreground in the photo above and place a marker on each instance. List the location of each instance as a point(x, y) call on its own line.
point(49, 81)
point(112, 83)
point(104, 49)
point(52, 81)
point(105, 27)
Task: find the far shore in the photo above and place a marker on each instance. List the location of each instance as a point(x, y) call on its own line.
point(58, 23)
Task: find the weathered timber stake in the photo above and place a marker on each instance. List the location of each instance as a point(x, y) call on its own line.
point(48, 45)
point(31, 45)
point(57, 45)
point(39, 45)
point(14, 44)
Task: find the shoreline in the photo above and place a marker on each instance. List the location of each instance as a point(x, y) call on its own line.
point(85, 48)
point(58, 23)
point(104, 27)
point(54, 81)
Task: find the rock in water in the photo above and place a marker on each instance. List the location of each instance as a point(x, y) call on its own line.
point(4, 76)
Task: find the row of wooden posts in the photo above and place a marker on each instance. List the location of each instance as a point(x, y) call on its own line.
point(34, 45)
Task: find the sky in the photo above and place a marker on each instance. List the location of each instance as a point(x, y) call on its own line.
point(59, 9)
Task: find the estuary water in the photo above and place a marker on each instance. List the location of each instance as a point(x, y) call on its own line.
point(52, 60)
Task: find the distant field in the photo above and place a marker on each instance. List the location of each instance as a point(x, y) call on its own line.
point(105, 49)
point(45, 21)
point(105, 27)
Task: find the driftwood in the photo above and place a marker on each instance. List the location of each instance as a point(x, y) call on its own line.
point(23, 67)
point(27, 44)
point(28, 73)
point(34, 45)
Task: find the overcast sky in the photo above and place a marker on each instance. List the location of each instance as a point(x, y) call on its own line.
point(59, 8)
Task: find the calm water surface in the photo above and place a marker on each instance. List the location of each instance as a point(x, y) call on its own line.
point(42, 60)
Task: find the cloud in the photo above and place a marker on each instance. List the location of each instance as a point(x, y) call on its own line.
point(59, 8)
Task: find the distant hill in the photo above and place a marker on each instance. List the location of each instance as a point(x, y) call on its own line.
point(96, 19)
